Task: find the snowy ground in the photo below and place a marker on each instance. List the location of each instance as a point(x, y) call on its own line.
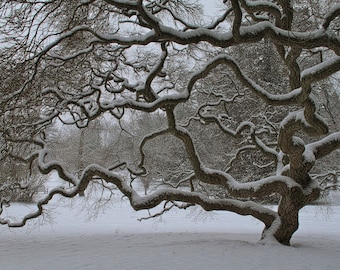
point(180, 240)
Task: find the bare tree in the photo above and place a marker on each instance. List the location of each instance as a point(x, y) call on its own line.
point(126, 61)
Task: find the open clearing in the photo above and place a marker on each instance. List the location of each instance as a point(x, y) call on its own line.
point(179, 240)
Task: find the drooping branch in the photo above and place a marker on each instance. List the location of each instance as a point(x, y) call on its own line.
point(260, 188)
point(146, 202)
point(124, 69)
point(272, 99)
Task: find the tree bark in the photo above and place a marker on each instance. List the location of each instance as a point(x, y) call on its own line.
point(289, 213)
point(288, 210)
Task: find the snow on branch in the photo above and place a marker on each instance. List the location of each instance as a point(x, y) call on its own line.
point(144, 202)
point(262, 6)
point(321, 71)
point(272, 99)
point(159, 64)
point(331, 15)
point(252, 33)
point(258, 188)
point(324, 146)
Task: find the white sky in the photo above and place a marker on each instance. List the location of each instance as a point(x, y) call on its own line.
point(211, 7)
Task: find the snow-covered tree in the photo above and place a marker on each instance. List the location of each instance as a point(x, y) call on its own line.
point(163, 57)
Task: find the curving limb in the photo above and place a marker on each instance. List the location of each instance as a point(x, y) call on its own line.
point(247, 85)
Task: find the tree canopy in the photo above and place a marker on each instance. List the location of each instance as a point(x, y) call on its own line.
point(219, 111)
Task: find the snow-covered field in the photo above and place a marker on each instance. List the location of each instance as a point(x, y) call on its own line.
point(66, 239)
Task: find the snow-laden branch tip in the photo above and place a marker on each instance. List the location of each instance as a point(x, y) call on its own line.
point(324, 146)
